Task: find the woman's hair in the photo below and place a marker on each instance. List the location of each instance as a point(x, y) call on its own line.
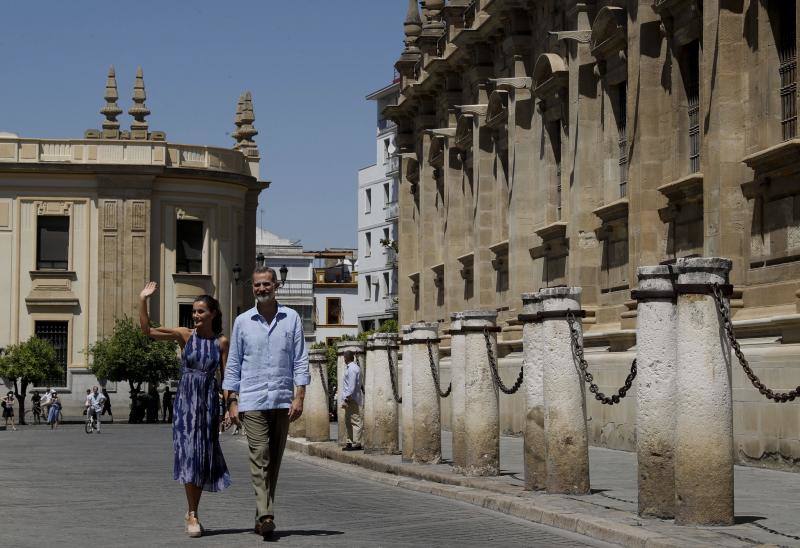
point(10, 393)
point(213, 306)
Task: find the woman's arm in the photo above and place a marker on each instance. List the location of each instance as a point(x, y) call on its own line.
point(177, 334)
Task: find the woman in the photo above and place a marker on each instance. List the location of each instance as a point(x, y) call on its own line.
point(36, 404)
point(54, 411)
point(199, 463)
point(8, 410)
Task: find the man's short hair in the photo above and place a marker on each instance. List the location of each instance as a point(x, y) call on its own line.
point(264, 269)
point(348, 356)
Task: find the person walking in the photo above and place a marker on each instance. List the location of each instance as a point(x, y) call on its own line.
point(198, 463)
point(352, 401)
point(166, 405)
point(8, 410)
point(95, 402)
point(36, 407)
point(265, 384)
point(54, 410)
point(107, 405)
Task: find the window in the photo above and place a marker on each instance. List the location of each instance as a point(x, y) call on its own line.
point(368, 250)
point(367, 287)
point(386, 235)
point(690, 68)
point(56, 334)
point(621, 110)
point(786, 42)
point(185, 315)
point(333, 312)
point(52, 243)
point(386, 285)
point(189, 247)
point(554, 129)
point(367, 200)
point(387, 195)
point(386, 144)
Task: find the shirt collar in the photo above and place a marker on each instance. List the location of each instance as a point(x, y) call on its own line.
point(254, 314)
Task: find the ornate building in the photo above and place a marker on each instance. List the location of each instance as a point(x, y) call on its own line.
point(568, 143)
point(84, 223)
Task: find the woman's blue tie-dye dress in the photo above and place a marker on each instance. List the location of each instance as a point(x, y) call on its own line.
point(195, 424)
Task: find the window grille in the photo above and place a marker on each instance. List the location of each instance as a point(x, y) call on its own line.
point(56, 334)
point(555, 139)
point(622, 123)
point(787, 56)
point(692, 87)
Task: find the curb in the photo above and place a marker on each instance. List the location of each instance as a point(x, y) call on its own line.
point(561, 512)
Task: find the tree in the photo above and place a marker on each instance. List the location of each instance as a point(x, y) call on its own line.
point(130, 355)
point(28, 363)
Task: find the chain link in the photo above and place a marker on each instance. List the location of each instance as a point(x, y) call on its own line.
point(324, 383)
point(393, 376)
point(577, 349)
point(727, 325)
point(495, 373)
point(435, 374)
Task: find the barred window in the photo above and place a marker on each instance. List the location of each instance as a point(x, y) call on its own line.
point(56, 334)
point(690, 67)
point(621, 110)
point(786, 43)
point(554, 129)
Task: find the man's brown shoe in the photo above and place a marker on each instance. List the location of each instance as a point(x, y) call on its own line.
point(265, 526)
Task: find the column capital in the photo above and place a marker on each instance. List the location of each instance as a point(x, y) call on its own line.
point(704, 270)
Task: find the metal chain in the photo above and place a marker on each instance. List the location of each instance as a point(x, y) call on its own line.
point(324, 383)
point(577, 348)
point(727, 324)
point(435, 374)
point(393, 376)
point(495, 374)
point(362, 373)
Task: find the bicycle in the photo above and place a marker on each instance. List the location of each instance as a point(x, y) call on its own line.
point(91, 423)
point(34, 416)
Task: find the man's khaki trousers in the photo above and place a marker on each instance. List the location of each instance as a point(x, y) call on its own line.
point(353, 423)
point(266, 433)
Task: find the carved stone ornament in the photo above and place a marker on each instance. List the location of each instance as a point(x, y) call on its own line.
point(550, 76)
point(54, 208)
point(497, 111)
point(609, 33)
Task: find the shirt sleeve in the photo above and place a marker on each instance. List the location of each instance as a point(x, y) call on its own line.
point(300, 366)
point(233, 367)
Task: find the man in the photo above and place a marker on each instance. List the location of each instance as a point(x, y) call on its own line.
point(351, 402)
point(265, 383)
point(107, 405)
point(94, 403)
point(166, 405)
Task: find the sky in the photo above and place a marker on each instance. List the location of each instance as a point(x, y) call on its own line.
point(308, 64)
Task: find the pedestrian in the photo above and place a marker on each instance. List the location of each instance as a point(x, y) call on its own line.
point(166, 405)
point(8, 410)
point(351, 401)
point(199, 463)
point(266, 382)
point(107, 405)
point(46, 399)
point(54, 410)
point(152, 404)
point(86, 403)
point(96, 401)
point(36, 407)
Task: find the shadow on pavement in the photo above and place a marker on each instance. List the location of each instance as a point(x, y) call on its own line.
point(279, 534)
point(215, 532)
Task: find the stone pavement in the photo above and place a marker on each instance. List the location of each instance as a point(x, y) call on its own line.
point(65, 488)
point(767, 502)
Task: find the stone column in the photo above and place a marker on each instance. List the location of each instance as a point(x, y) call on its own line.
point(357, 348)
point(566, 434)
point(482, 424)
point(656, 341)
point(425, 410)
point(458, 396)
point(534, 441)
point(407, 409)
point(380, 407)
point(704, 425)
point(315, 408)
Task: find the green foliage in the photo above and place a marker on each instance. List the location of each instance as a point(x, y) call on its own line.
point(364, 335)
point(318, 345)
point(30, 362)
point(345, 337)
point(129, 355)
point(389, 326)
point(389, 243)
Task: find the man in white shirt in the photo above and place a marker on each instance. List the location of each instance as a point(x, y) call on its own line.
point(94, 404)
point(351, 400)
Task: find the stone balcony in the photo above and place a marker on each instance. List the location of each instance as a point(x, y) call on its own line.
point(392, 165)
point(18, 150)
point(392, 212)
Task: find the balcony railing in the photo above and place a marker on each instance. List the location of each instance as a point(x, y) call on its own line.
point(391, 302)
point(392, 211)
point(385, 124)
point(296, 288)
point(392, 165)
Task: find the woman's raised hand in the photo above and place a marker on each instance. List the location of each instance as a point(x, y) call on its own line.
point(148, 290)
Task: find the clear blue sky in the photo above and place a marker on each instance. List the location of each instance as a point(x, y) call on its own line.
point(309, 65)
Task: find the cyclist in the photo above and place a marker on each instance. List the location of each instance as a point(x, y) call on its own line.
point(36, 407)
point(94, 406)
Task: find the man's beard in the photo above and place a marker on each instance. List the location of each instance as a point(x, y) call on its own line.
point(265, 299)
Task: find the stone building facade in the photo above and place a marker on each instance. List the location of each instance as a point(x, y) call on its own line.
point(568, 143)
point(85, 223)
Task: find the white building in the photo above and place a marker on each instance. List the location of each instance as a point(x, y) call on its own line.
point(378, 185)
point(297, 291)
point(335, 294)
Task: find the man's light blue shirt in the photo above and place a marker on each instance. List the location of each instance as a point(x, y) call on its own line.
point(352, 384)
point(266, 360)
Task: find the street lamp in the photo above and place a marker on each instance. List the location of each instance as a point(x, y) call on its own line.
point(260, 259)
point(237, 273)
point(284, 272)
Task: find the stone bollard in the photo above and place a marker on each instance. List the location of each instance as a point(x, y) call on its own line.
point(566, 434)
point(534, 463)
point(297, 428)
point(406, 408)
point(315, 408)
point(357, 348)
point(482, 427)
point(458, 395)
point(380, 406)
point(426, 414)
point(656, 355)
point(704, 425)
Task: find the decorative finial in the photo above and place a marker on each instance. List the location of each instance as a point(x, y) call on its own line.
point(139, 110)
point(246, 130)
point(412, 26)
point(237, 120)
point(111, 110)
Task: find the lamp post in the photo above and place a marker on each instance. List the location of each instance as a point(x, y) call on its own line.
point(237, 273)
